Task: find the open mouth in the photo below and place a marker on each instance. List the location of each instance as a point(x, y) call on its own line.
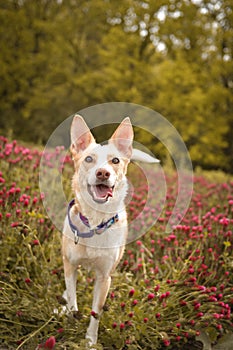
point(100, 193)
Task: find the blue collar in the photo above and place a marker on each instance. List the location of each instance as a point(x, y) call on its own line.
point(98, 230)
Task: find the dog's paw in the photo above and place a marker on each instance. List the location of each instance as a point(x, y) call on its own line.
point(88, 345)
point(61, 311)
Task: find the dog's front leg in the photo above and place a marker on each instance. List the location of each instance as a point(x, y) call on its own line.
point(70, 272)
point(101, 288)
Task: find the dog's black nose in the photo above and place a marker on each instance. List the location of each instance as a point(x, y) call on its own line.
point(102, 174)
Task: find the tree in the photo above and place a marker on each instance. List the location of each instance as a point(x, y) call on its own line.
point(175, 57)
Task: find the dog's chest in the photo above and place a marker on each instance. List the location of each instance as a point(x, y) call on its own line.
point(100, 252)
point(100, 249)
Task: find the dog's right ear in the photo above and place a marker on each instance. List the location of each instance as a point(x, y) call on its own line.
point(81, 137)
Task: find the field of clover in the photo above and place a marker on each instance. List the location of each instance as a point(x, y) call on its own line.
point(170, 291)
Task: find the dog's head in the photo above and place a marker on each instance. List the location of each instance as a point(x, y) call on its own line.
point(100, 169)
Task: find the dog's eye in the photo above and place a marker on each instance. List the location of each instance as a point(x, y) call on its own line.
point(115, 160)
point(89, 159)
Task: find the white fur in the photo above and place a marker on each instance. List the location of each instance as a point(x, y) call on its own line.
point(100, 252)
point(141, 156)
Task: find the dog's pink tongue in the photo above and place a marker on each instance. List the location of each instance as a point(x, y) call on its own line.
point(103, 191)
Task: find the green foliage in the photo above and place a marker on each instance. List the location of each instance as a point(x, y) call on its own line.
point(175, 57)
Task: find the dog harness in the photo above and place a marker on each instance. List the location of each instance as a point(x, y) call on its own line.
point(98, 230)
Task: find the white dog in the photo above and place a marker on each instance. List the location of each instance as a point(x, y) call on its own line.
point(95, 228)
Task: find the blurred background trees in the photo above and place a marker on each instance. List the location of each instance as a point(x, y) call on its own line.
point(59, 56)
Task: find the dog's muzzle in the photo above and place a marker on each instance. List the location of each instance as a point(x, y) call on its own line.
point(100, 192)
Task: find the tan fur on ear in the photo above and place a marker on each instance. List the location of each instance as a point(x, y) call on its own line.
point(123, 137)
point(81, 137)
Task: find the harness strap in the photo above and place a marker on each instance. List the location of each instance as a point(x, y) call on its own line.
point(98, 230)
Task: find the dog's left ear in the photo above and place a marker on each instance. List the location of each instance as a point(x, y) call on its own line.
point(123, 137)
